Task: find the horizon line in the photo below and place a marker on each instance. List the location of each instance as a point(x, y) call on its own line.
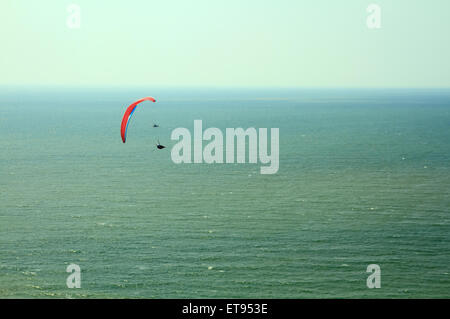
point(128, 86)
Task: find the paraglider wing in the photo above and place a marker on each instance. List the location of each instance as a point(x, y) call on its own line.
point(127, 116)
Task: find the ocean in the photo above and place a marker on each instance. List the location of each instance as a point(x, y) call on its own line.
point(363, 179)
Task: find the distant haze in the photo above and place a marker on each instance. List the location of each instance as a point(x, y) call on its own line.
point(226, 43)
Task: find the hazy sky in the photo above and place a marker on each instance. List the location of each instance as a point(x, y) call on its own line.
point(314, 43)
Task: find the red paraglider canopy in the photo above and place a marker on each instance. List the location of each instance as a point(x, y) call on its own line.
point(127, 116)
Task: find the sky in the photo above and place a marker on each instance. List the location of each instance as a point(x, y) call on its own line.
point(232, 43)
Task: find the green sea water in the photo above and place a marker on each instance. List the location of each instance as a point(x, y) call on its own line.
point(364, 179)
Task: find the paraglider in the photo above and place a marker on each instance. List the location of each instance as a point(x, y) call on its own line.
point(159, 146)
point(127, 116)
